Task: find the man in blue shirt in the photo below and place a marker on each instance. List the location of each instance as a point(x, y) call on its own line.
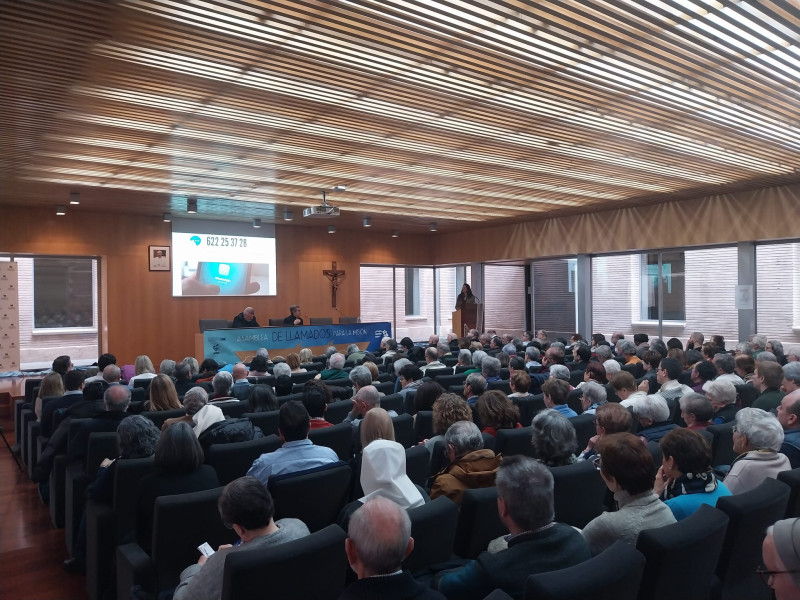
point(556, 392)
point(474, 385)
point(298, 453)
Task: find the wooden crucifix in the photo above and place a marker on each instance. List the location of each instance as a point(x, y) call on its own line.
point(336, 277)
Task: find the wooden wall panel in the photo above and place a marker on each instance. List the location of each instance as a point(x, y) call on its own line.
point(139, 314)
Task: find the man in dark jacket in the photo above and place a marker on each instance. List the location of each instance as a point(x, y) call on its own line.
point(536, 544)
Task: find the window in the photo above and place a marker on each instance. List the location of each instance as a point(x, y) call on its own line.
point(412, 291)
point(672, 284)
point(554, 283)
point(63, 294)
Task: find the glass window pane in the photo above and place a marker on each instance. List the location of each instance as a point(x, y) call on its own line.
point(554, 297)
point(62, 292)
point(672, 279)
point(412, 291)
point(504, 298)
point(450, 281)
point(377, 301)
point(778, 292)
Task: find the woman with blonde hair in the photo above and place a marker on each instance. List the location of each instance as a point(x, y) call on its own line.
point(52, 385)
point(376, 425)
point(306, 355)
point(163, 395)
point(143, 370)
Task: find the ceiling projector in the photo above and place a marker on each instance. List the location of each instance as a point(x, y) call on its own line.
point(324, 210)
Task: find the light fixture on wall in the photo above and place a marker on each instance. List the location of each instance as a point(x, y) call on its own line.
point(74, 198)
point(432, 227)
point(257, 223)
point(61, 210)
point(167, 217)
point(191, 205)
point(288, 215)
point(395, 233)
point(367, 222)
point(331, 228)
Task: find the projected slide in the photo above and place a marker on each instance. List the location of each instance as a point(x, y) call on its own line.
point(215, 259)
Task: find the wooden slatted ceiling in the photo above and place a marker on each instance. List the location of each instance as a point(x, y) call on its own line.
point(452, 111)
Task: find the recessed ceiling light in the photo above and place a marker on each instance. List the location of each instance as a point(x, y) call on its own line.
point(257, 223)
point(395, 233)
point(167, 217)
point(61, 210)
point(367, 222)
point(288, 215)
point(331, 228)
point(191, 205)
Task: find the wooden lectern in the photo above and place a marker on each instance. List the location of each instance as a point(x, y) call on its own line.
point(465, 319)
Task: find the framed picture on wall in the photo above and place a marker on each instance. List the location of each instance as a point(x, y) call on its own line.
point(159, 258)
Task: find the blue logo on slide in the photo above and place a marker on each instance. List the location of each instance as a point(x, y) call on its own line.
point(195, 239)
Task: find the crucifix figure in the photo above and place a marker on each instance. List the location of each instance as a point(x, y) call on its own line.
point(336, 276)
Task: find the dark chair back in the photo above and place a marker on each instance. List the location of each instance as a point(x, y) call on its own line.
point(303, 377)
point(159, 416)
point(745, 395)
point(439, 460)
point(385, 387)
point(750, 514)
point(792, 479)
point(409, 402)
point(529, 406)
point(447, 380)
point(501, 385)
point(337, 411)
point(637, 370)
point(314, 496)
point(284, 569)
point(423, 425)
point(681, 557)
point(579, 492)
point(233, 460)
point(434, 374)
point(478, 522)
point(433, 527)
point(574, 400)
point(722, 452)
point(235, 409)
point(393, 402)
point(266, 421)
point(181, 523)
point(576, 377)
point(339, 438)
point(418, 461)
point(584, 428)
point(320, 321)
point(514, 441)
point(404, 430)
point(276, 323)
point(347, 320)
point(101, 445)
point(614, 574)
point(127, 475)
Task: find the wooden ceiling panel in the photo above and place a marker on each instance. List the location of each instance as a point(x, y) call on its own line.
point(459, 113)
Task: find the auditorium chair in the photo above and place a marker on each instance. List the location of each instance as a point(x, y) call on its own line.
point(409, 402)
point(418, 461)
point(100, 445)
point(614, 574)
point(578, 492)
point(576, 377)
point(584, 425)
point(393, 402)
point(509, 442)
point(529, 406)
point(233, 460)
point(110, 525)
point(434, 374)
point(385, 387)
point(501, 385)
point(749, 514)
point(574, 401)
point(57, 480)
point(337, 411)
point(478, 522)
point(311, 567)
point(681, 557)
point(447, 380)
point(276, 323)
point(433, 527)
point(792, 479)
point(349, 320)
point(338, 438)
point(722, 452)
point(745, 395)
point(266, 421)
point(320, 320)
point(423, 425)
point(159, 416)
point(181, 523)
point(404, 430)
point(315, 496)
point(234, 410)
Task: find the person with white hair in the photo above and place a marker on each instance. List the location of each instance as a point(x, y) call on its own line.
point(594, 396)
point(723, 398)
point(335, 368)
point(791, 377)
point(652, 412)
point(378, 540)
point(560, 372)
point(781, 552)
point(612, 367)
point(757, 436)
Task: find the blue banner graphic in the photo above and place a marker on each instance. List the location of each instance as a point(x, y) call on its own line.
point(235, 345)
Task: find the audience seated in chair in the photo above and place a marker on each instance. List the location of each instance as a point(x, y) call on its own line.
point(553, 439)
point(379, 539)
point(789, 418)
point(245, 506)
point(609, 418)
point(298, 453)
point(757, 439)
point(471, 466)
point(781, 553)
point(627, 468)
point(536, 543)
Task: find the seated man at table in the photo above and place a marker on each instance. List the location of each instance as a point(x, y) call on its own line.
point(298, 453)
point(536, 544)
point(246, 318)
point(295, 316)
